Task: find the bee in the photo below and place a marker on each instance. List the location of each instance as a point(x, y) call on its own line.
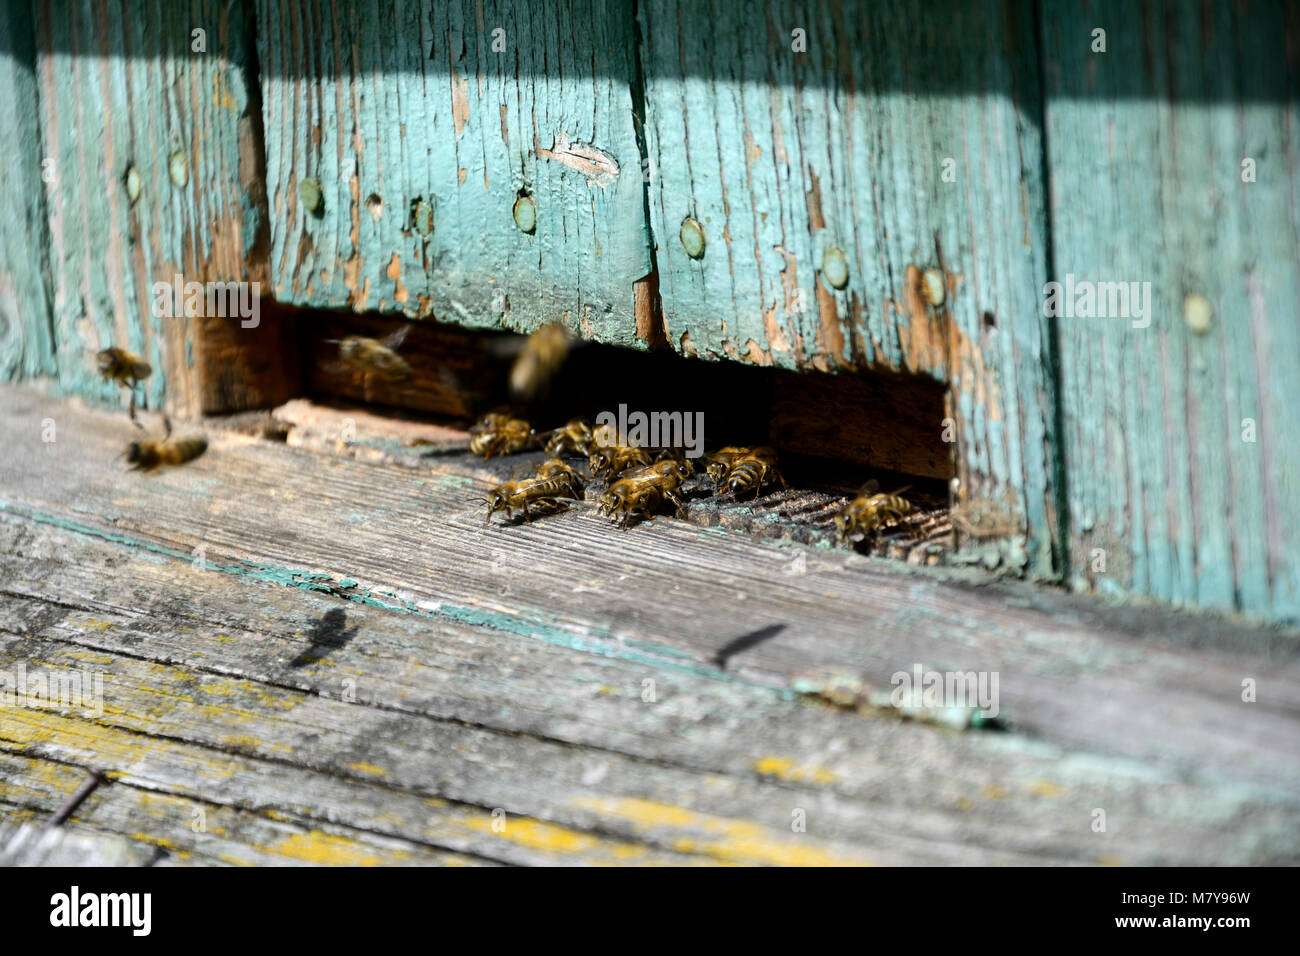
point(611, 461)
point(125, 368)
point(574, 437)
point(558, 470)
point(554, 480)
point(149, 454)
point(753, 469)
point(497, 433)
point(538, 361)
point(870, 511)
point(720, 463)
point(376, 358)
point(645, 490)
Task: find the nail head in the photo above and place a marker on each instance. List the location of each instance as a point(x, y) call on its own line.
point(692, 236)
point(525, 213)
point(179, 167)
point(835, 267)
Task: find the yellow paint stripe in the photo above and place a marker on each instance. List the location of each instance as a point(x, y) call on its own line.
point(725, 839)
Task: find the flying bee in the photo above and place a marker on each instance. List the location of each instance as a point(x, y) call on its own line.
point(720, 463)
point(375, 358)
point(544, 492)
point(870, 511)
point(148, 454)
point(536, 364)
point(752, 470)
point(497, 433)
point(574, 437)
point(645, 490)
point(125, 368)
point(611, 461)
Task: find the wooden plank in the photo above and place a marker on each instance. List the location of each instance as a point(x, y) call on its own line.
point(26, 343)
point(121, 88)
point(125, 823)
point(422, 136)
point(1150, 686)
point(789, 159)
point(1170, 495)
point(26, 844)
point(222, 692)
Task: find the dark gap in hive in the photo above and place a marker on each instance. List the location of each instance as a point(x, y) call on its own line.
point(833, 432)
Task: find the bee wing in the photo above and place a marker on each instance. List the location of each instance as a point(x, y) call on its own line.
point(524, 470)
point(899, 491)
point(869, 487)
point(397, 338)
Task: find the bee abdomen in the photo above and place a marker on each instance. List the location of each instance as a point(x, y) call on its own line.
point(183, 449)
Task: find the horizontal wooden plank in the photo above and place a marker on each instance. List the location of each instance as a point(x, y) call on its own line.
point(232, 694)
point(509, 655)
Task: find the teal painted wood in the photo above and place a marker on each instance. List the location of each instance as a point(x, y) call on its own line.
point(784, 157)
point(421, 158)
point(1146, 145)
point(121, 88)
point(26, 342)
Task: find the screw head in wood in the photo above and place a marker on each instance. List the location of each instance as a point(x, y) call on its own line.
point(313, 198)
point(692, 236)
point(932, 286)
point(835, 267)
point(132, 183)
point(1198, 313)
point(525, 213)
point(179, 167)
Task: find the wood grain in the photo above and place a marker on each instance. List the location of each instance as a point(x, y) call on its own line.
point(504, 668)
point(26, 340)
point(389, 106)
point(120, 88)
point(234, 733)
point(785, 156)
point(1167, 497)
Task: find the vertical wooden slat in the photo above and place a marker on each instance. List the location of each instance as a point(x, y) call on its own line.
point(26, 343)
point(785, 156)
point(121, 86)
point(1146, 145)
point(394, 108)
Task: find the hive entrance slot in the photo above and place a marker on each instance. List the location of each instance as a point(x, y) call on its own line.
point(832, 432)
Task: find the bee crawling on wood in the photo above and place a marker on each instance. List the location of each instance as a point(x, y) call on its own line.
point(127, 369)
point(575, 437)
point(375, 357)
point(610, 461)
point(645, 490)
point(148, 454)
point(497, 433)
point(553, 481)
point(753, 469)
point(870, 511)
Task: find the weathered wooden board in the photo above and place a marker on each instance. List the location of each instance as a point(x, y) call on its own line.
point(243, 721)
point(26, 342)
point(1165, 689)
point(789, 160)
point(122, 87)
point(1182, 446)
point(422, 124)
